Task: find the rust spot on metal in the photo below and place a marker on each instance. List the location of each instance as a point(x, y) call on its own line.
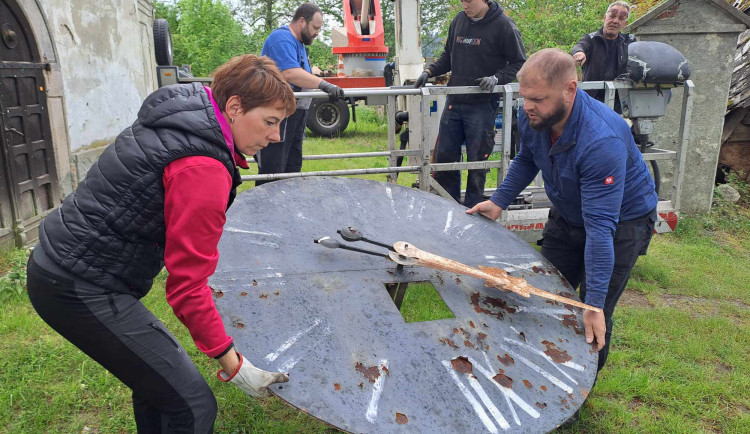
point(523, 335)
point(554, 303)
point(361, 385)
point(401, 419)
point(385, 369)
point(556, 355)
point(455, 331)
point(466, 334)
point(490, 302)
point(372, 373)
point(468, 344)
point(572, 398)
point(263, 295)
point(571, 321)
point(541, 404)
point(239, 325)
point(471, 323)
point(507, 360)
point(585, 393)
point(527, 384)
point(450, 343)
point(277, 293)
point(560, 340)
point(440, 279)
point(458, 280)
point(568, 295)
point(544, 388)
point(480, 339)
point(538, 270)
point(594, 348)
point(337, 386)
point(255, 282)
point(217, 294)
point(496, 302)
point(244, 294)
point(462, 364)
point(565, 401)
point(503, 379)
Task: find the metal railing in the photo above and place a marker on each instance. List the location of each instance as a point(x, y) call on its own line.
point(420, 149)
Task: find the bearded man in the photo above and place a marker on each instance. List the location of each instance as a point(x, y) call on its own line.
point(287, 47)
point(604, 203)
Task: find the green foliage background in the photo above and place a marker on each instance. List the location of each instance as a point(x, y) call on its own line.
point(206, 33)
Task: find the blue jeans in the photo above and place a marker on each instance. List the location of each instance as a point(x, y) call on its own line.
point(564, 245)
point(473, 124)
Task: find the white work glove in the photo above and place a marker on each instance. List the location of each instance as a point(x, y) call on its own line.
point(251, 380)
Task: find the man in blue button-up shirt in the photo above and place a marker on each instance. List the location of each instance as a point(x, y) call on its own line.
point(604, 203)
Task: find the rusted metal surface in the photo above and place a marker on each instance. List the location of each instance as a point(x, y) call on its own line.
point(494, 277)
point(327, 318)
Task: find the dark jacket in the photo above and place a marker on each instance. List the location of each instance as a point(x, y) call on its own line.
point(476, 49)
point(595, 177)
point(111, 230)
point(594, 46)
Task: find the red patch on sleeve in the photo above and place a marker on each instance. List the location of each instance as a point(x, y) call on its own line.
point(609, 180)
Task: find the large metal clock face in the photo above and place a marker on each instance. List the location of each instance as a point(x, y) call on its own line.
point(504, 362)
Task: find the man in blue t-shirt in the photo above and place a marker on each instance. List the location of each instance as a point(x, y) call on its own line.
point(604, 203)
point(287, 47)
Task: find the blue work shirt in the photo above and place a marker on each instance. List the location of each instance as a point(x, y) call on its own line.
point(286, 50)
point(594, 175)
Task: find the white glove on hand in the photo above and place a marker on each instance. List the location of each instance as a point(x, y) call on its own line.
point(251, 380)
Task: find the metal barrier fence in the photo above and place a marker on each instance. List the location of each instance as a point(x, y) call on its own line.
point(526, 221)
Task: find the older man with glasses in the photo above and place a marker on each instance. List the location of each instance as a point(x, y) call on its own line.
point(603, 54)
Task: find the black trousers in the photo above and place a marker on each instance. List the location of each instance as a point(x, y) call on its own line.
point(564, 246)
point(284, 156)
point(474, 125)
point(118, 332)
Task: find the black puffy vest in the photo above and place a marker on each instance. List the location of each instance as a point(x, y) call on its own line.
point(111, 230)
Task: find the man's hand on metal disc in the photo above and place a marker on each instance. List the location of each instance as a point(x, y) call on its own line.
point(487, 83)
point(580, 57)
point(594, 327)
point(251, 380)
point(487, 209)
point(334, 92)
point(422, 79)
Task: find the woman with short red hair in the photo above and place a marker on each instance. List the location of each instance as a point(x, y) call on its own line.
point(157, 197)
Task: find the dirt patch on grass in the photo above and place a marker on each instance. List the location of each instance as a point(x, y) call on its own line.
point(703, 307)
point(634, 298)
point(723, 368)
point(635, 404)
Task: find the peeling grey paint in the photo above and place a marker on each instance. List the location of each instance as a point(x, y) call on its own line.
point(106, 70)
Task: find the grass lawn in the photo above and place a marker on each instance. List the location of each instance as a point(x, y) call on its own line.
point(680, 359)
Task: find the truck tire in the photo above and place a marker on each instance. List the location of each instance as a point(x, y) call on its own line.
point(162, 42)
point(327, 119)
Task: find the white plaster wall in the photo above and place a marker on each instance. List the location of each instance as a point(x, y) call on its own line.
point(105, 53)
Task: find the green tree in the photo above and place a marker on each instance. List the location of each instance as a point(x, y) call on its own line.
point(555, 23)
point(205, 34)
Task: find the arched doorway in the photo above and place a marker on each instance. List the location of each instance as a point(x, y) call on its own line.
point(29, 186)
